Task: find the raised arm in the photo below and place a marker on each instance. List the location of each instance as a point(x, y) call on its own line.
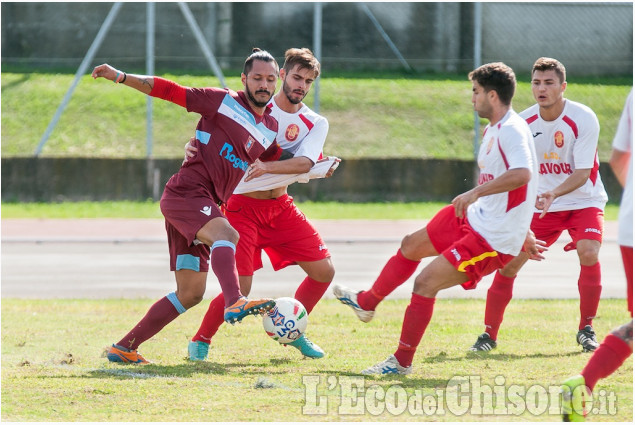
point(143, 83)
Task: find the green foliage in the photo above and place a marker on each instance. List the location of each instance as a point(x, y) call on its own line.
point(53, 367)
point(391, 115)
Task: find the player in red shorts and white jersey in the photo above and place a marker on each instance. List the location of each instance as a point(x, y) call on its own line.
point(618, 345)
point(235, 130)
point(479, 233)
point(571, 197)
point(264, 214)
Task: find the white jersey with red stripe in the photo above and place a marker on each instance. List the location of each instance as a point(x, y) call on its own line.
point(503, 219)
point(302, 133)
point(566, 144)
point(623, 141)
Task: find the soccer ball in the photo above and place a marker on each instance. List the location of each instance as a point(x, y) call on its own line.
point(287, 321)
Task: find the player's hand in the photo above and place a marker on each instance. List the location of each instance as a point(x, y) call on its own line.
point(463, 201)
point(190, 150)
point(331, 170)
point(106, 71)
point(534, 247)
point(544, 201)
point(257, 169)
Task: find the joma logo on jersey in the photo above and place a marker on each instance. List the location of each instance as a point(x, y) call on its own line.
point(456, 254)
point(484, 178)
point(236, 162)
point(549, 168)
point(592, 230)
point(292, 132)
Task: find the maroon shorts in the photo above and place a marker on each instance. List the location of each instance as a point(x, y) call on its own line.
point(587, 223)
point(187, 207)
point(276, 226)
point(463, 247)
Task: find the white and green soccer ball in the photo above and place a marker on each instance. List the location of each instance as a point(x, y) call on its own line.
point(287, 321)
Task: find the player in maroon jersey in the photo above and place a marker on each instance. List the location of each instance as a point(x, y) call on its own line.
point(234, 131)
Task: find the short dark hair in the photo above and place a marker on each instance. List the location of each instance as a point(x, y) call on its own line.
point(260, 55)
point(302, 57)
point(546, 64)
point(498, 77)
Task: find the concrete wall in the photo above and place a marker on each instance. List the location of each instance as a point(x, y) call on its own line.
point(363, 180)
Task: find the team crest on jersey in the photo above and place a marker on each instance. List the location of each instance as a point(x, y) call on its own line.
point(489, 145)
point(250, 143)
point(292, 133)
point(558, 138)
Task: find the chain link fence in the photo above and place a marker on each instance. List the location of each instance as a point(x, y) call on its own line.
point(592, 39)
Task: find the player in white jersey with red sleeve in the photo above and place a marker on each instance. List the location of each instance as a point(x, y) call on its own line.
point(477, 234)
point(617, 346)
point(264, 214)
point(571, 197)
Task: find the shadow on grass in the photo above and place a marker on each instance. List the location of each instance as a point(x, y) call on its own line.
point(188, 369)
point(24, 78)
point(442, 357)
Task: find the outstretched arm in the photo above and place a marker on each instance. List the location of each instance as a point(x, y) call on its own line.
point(143, 83)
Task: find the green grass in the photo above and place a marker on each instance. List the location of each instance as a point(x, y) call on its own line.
point(376, 115)
point(53, 368)
point(313, 210)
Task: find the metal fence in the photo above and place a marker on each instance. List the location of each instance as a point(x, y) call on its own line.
point(593, 39)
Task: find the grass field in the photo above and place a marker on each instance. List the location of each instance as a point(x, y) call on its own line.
point(431, 115)
point(313, 210)
point(53, 367)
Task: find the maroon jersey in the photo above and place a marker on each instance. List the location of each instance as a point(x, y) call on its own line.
point(229, 135)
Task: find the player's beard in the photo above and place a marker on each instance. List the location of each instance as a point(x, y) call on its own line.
point(255, 101)
point(288, 92)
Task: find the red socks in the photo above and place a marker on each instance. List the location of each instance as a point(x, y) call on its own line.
point(310, 292)
point(415, 321)
point(606, 360)
point(160, 314)
point(223, 262)
point(590, 288)
point(396, 271)
point(498, 297)
point(214, 317)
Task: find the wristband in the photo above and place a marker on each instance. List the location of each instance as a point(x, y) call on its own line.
point(124, 78)
point(117, 77)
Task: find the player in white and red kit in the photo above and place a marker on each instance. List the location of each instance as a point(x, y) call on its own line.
point(618, 345)
point(480, 232)
point(235, 130)
point(571, 197)
point(267, 219)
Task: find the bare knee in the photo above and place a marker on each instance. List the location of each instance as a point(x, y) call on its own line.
point(416, 246)
point(424, 287)
point(321, 271)
point(190, 298)
point(588, 252)
point(326, 274)
point(588, 257)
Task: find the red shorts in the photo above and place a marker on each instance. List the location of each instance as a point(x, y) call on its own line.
point(184, 217)
point(627, 259)
point(587, 223)
point(276, 226)
point(463, 247)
